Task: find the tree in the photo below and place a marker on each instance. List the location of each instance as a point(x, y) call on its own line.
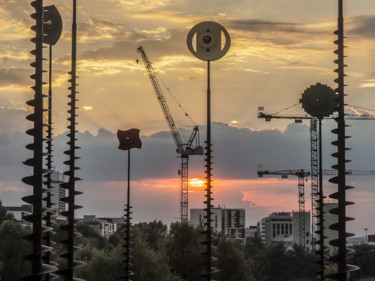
point(102, 266)
point(13, 248)
point(231, 262)
point(256, 256)
point(154, 231)
point(4, 215)
point(301, 265)
point(148, 264)
point(364, 257)
point(184, 248)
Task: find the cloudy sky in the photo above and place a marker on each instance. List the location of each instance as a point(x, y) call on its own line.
point(279, 48)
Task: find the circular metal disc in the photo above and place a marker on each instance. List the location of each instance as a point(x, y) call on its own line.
point(204, 41)
point(319, 100)
point(53, 25)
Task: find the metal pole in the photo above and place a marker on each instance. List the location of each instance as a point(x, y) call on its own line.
point(47, 257)
point(321, 210)
point(127, 276)
point(208, 172)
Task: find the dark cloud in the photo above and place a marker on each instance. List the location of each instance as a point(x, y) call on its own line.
point(125, 48)
point(253, 25)
point(15, 76)
point(363, 26)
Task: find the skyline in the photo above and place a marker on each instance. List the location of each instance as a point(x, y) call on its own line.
point(279, 48)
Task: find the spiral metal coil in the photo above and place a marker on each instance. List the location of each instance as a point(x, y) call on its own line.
point(128, 244)
point(52, 28)
point(71, 264)
point(321, 251)
point(340, 179)
point(38, 269)
point(209, 259)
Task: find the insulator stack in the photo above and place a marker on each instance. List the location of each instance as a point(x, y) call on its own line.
point(209, 259)
point(72, 179)
point(38, 269)
point(340, 179)
point(128, 244)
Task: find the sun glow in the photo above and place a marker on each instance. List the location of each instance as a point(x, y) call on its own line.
point(197, 182)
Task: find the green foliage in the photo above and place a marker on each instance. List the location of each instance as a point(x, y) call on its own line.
point(174, 255)
point(13, 248)
point(102, 266)
point(90, 237)
point(4, 216)
point(231, 261)
point(148, 264)
point(155, 232)
point(364, 257)
point(183, 247)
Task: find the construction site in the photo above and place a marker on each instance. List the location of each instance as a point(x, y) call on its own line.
point(196, 147)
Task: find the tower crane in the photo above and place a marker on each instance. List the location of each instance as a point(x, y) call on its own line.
point(183, 149)
point(302, 174)
point(314, 161)
point(314, 151)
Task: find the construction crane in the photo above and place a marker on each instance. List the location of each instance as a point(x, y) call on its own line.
point(313, 151)
point(314, 160)
point(302, 174)
point(183, 149)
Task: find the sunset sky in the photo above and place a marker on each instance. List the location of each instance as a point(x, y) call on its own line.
point(279, 48)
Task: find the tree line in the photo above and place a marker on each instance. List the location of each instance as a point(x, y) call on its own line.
point(171, 254)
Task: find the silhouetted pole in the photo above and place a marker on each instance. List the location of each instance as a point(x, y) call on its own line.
point(204, 42)
point(321, 207)
point(209, 181)
point(128, 223)
point(128, 139)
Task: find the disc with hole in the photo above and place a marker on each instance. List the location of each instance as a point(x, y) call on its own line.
point(319, 100)
point(52, 26)
point(205, 41)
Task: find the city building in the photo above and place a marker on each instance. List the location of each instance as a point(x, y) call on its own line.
point(278, 228)
point(251, 231)
point(103, 227)
point(197, 218)
point(283, 227)
point(230, 222)
point(57, 194)
point(19, 211)
point(296, 229)
point(261, 230)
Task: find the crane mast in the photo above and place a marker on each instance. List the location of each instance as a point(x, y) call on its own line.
point(314, 163)
point(315, 189)
point(301, 174)
point(183, 149)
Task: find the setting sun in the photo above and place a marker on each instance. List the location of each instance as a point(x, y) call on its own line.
point(197, 182)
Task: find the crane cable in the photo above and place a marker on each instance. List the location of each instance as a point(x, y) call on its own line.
point(287, 108)
point(359, 107)
point(176, 100)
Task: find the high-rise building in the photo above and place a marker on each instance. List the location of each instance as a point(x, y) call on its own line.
point(278, 228)
point(283, 227)
point(58, 193)
point(296, 229)
point(230, 222)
